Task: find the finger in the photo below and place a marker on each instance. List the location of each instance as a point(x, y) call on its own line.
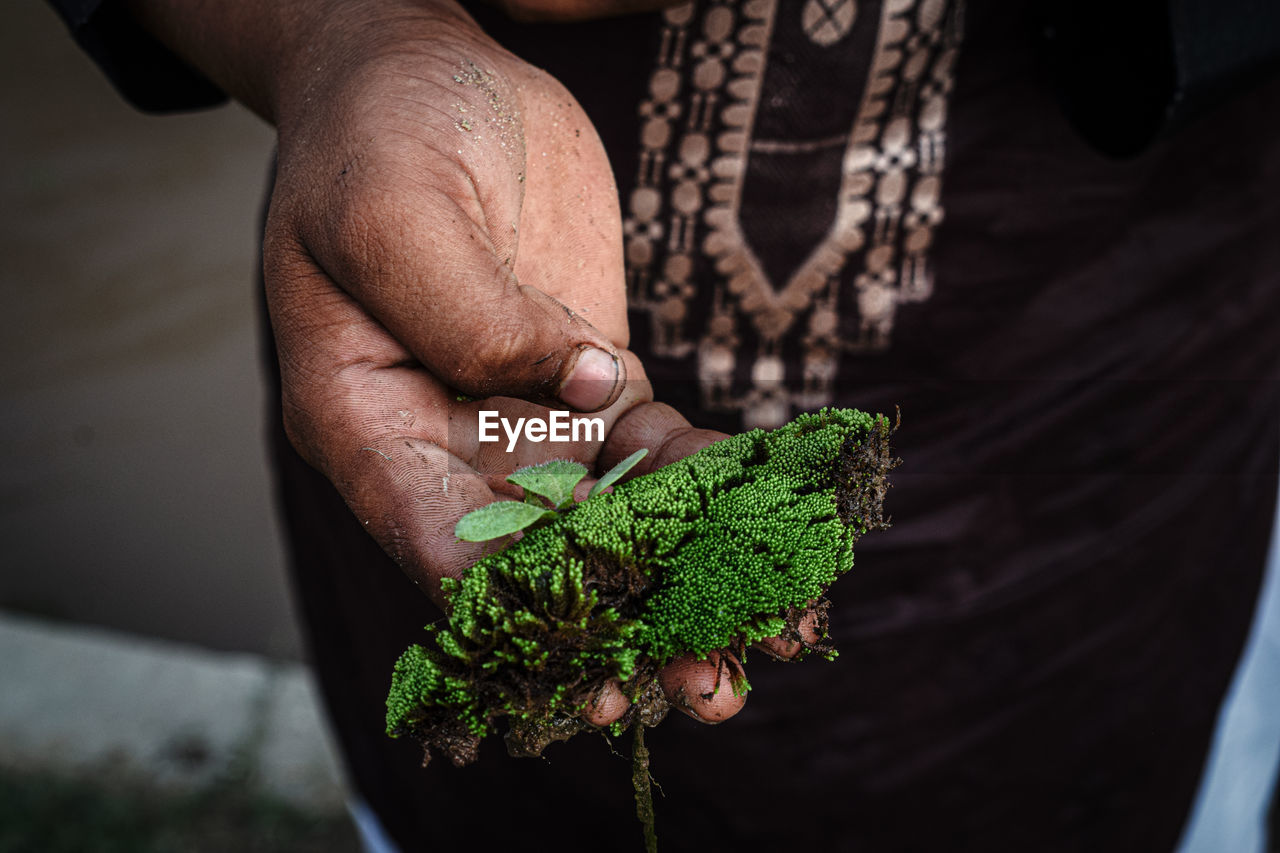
point(608, 705)
point(500, 454)
point(785, 646)
point(703, 688)
point(656, 426)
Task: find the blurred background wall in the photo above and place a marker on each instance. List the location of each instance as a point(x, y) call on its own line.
point(134, 490)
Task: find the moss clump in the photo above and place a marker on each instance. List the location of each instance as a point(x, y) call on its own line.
point(718, 550)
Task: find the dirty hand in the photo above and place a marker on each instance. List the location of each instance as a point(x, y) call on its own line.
point(444, 220)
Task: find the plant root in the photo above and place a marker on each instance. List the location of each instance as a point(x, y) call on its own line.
point(643, 784)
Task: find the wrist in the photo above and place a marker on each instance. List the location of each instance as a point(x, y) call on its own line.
point(271, 54)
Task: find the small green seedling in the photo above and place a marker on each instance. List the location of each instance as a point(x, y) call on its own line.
point(552, 482)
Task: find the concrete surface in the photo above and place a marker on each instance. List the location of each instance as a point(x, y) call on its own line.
point(92, 704)
point(296, 757)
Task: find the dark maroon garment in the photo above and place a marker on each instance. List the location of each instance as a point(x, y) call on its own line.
point(1033, 657)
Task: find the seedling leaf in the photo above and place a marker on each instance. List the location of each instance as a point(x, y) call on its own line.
point(499, 519)
point(552, 480)
point(615, 473)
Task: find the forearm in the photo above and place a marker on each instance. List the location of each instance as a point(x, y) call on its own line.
point(265, 53)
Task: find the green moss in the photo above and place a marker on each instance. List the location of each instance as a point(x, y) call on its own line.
point(715, 551)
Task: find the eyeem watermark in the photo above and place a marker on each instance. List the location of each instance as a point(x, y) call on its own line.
point(559, 427)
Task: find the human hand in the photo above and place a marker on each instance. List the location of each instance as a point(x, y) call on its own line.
point(444, 219)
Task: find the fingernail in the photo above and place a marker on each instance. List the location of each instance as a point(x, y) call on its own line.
point(590, 385)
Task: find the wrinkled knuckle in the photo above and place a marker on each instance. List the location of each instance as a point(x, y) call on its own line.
point(352, 225)
point(312, 414)
point(497, 354)
point(383, 222)
point(279, 242)
point(448, 178)
point(395, 541)
point(284, 257)
point(301, 429)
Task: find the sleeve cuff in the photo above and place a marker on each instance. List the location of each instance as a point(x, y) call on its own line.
point(143, 71)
